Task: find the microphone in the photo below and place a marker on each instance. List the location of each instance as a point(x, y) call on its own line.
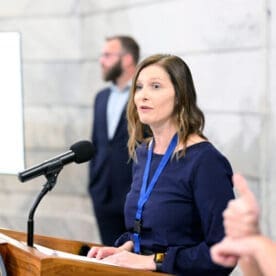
point(79, 152)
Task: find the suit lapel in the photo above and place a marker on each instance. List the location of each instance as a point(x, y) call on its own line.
point(105, 101)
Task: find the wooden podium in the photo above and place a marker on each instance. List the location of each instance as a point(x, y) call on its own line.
point(22, 260)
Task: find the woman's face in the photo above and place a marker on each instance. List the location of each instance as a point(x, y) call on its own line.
point(154, 97)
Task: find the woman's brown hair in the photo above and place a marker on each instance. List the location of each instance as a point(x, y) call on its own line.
point(189, 118)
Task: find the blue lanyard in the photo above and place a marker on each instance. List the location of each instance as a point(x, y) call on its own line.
point(146, 191)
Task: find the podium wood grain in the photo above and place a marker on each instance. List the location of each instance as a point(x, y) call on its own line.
point(22, 260)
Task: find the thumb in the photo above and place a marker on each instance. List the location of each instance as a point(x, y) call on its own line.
point(242, 188)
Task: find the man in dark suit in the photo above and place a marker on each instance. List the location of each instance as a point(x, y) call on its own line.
point(110, 170)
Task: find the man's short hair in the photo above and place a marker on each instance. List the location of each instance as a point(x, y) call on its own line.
point(129, 45)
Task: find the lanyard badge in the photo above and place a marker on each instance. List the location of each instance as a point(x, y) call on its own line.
point(146, 191)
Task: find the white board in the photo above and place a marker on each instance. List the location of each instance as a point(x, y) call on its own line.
point(11, 104)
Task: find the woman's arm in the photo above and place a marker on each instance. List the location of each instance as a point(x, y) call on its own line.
point(212, 188)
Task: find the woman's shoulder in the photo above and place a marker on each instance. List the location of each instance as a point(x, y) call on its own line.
point(204, 148)
point(206, 153)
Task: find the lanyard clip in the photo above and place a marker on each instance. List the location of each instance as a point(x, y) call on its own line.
point(137, 226)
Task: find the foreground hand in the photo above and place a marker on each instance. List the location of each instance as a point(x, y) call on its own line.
point(226, 252)
point(241, 217)
point(132, 260)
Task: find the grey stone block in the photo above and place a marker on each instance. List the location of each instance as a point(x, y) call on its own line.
point(56, 126)
point(37, 7)
point(224, 80)
point(47, 38)
point(227, 132)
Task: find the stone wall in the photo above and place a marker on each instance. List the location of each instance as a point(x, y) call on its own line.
point(229, 45)
point(58, 96)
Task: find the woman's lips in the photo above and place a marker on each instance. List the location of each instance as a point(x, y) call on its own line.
point(145, 108)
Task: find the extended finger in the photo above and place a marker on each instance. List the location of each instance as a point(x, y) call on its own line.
point(222, 257)
point(92, 252)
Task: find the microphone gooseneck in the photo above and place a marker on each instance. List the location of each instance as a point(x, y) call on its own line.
point(79, 152)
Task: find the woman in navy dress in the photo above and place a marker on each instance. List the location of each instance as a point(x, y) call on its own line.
point(181, 182)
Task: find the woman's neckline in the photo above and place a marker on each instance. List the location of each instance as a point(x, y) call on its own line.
point(187, 148)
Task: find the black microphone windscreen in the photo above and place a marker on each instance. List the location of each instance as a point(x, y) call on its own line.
point(84, 151)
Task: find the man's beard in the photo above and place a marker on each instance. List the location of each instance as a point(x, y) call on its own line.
point(114, 72)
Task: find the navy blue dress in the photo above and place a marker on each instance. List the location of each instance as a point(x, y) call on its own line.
point(183, 215)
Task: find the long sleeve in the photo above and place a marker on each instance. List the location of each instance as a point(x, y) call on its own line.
point(212, 189)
